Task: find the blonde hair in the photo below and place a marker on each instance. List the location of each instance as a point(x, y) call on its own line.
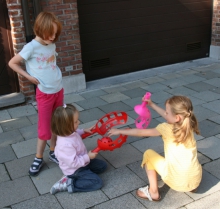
point(182, 105)
point(62, 121)
point(43, 26)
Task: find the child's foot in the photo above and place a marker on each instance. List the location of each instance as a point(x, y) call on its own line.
point(144, 193)
point(53, 158)
point(36, 166)
point(59, 186)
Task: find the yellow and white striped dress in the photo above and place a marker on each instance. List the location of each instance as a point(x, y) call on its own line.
point(181, 168)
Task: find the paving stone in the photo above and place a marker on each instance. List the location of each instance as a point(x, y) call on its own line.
point(211, 201)
point(79, 108)
point(114, 97)
point(81, 200)
point(173, 83)
point(153, 88)
point(187, 72)
point(10, 137)
point(181, 90)
point(207, 75)
point(133, 102)
point(47, 201)
point(112, 89)
point(91, 103)
point(88, 124)
point(216, 90)
point(214, 82)
point(155, 143)
point(3, 174)
point(192, 78)
point(170, 199)
point(133, 84)
point(196, 101)
point(16, 191)
point(15, 123)
point(116, 106)
point(122, 156)
point(160, 97)
point(125, 201)
point(138, 170)
point(202, 113)
point(132, 114)
point(19, 167)
point(70, 98)
point(215, 119)
point(204, 68)
point(213, 168)
point(152, 80)
point(119, 182)
point(169, 76)
point(29, 132)
point(210, 147)
point(200, 86)
point(6, 154)
point(214, 106)
point(26, 148)
point(208, 128)
point(1, 131)
point(203, 159)
point(208, 185)
point(46, 179)
point(91, 94)
point(134, 93)
point(33, 118)
point(91, 115)
point(207, 96)
point(198, 137)
point(22, 111)
point(4, 115)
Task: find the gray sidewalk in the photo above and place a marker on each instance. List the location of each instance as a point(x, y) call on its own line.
point(199, 80)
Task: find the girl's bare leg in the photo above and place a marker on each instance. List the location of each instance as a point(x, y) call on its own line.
point(153, 188)
point(41, 144)
point(53, 142)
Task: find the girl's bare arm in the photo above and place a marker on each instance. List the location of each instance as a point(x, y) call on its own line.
point(15, 64)
point(134, 132)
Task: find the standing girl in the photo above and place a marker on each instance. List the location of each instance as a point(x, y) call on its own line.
point(80, 168)
point(39, 56)
point(180, 168)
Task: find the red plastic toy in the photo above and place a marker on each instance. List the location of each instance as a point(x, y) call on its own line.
point(106, 122)
point(106, 143)
point(144, 113)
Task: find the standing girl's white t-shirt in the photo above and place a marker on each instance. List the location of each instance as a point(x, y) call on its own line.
point(40, 61)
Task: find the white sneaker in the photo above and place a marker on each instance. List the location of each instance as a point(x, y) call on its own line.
point(59, 186)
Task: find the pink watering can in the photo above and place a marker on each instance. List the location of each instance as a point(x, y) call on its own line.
point(144, 113)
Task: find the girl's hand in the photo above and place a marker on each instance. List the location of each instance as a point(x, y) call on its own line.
point(88, 130)
point(114, 131)
point(33, 80)
point(149, 102)
point(92, 155)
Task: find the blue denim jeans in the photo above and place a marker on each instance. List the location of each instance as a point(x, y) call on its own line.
point(85, 179)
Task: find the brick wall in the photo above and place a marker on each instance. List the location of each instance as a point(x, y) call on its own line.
point(68, 45)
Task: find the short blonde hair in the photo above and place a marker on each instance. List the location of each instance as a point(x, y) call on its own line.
point(43, 26)
point(62, 121)
point(182, 105)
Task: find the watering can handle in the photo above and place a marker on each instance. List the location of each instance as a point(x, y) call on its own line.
point(146, 96)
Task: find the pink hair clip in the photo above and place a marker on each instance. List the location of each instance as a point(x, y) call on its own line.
point(64, 105)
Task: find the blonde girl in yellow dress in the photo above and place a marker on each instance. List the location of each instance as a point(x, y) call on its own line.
point(180, 168)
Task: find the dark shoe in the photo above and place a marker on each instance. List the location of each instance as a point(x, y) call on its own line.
point(36, 166)
point(53, 158)
point(59, 186)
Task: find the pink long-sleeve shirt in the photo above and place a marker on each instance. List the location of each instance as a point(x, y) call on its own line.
point(71, 152)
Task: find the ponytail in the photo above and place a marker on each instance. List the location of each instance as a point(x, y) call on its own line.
point(182, 130)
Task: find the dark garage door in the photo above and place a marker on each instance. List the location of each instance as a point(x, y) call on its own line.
point(122, 36)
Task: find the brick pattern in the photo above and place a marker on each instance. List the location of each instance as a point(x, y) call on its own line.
point(68, 45)
point(216, 23)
